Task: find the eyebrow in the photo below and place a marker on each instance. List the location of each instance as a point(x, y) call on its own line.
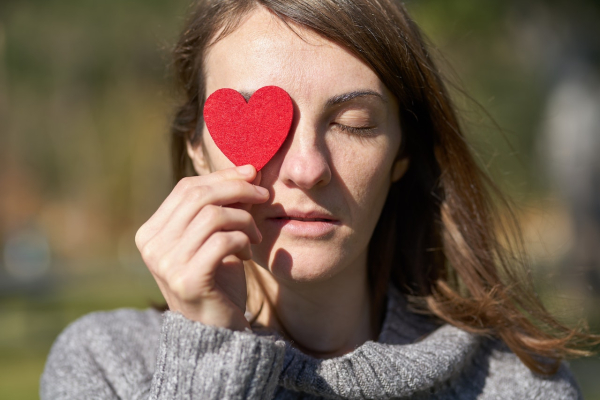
point(342, 98)
point(335, 100)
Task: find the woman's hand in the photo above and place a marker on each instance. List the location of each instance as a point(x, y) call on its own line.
point(194, 245)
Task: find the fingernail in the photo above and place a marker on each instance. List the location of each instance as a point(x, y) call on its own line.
point(246, 170)
point(262, 191)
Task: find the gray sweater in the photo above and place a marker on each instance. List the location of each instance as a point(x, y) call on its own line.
point(128, 354)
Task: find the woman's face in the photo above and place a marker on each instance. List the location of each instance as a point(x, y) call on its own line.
point(329, 181)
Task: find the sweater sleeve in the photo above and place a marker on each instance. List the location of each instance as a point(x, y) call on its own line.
point(129, 354)
point(196, 361)
point(103, 355)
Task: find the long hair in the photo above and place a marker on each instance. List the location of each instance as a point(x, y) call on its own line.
point(440, 239)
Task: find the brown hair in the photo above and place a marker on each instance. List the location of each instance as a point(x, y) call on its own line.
point(440, 238)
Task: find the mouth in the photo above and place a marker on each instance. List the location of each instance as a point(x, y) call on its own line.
point(306, 219)
point(306, 225)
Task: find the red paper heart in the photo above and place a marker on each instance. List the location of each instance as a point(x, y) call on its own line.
point(249, 133)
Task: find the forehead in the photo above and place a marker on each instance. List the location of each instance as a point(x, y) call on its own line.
point(263, 51)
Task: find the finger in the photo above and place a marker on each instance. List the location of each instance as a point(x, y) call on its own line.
point(219, 246)
point(228, 192)
point(208, 221)
point(223, 219)
point(170, 204)
point(245, 172)
point(247, 206)
point(236, 191)
point(258, 178)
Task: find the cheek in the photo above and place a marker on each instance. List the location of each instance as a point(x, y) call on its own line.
point(364, 167)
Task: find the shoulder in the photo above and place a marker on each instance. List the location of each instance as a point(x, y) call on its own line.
point(99, 350)
point(121, 321)
point(100, 331)
point(507, 373)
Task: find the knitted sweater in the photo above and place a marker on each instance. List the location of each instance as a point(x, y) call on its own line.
point(128, 354)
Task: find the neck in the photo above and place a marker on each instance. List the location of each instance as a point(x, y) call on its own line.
point(323, 319)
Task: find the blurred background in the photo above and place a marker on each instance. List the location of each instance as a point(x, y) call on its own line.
point(85, 102)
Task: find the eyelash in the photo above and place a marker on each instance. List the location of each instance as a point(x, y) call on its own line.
point(362, 131)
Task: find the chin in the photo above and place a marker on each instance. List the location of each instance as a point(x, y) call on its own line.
point(295, 264)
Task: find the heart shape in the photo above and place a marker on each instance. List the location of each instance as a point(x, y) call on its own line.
point(249, 133)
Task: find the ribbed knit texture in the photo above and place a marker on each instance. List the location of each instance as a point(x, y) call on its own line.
point(128, 354)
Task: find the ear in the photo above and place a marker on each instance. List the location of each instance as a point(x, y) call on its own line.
point(196, 154)
point(399, 168)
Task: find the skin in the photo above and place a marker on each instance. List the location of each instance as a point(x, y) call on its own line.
point(317, 282)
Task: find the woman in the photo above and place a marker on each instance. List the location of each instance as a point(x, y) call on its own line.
point(373, 266)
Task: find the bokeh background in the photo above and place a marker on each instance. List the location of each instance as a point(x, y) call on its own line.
point(85, 101)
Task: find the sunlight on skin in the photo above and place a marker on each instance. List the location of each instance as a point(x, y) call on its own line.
point(318, 269)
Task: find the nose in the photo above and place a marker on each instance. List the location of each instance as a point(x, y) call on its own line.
point(306, 162)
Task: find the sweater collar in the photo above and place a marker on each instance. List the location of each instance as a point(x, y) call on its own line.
point(411, 355)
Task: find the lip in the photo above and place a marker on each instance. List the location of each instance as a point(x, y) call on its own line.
point(311, 224)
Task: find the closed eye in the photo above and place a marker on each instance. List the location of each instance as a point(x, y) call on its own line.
point(357, 130)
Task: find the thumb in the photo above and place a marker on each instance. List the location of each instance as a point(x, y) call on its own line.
point(256, 181)
point(246, 206)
